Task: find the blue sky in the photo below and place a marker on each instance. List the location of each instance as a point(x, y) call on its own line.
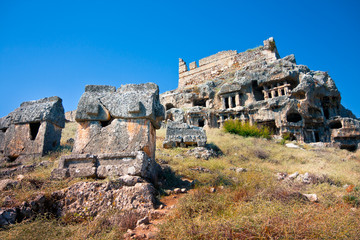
point(55, 48)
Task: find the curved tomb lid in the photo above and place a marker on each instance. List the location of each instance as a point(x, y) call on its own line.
point(129, 101)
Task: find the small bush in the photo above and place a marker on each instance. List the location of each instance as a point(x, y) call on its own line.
point(353, 197)
point(261, 154)
point(246, 129)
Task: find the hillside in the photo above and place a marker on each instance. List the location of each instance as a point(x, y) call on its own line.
point(242, 194)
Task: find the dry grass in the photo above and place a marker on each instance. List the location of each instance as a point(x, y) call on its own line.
point(246, 205)
point(109, 226)
point(68, 132)
point(254, 205)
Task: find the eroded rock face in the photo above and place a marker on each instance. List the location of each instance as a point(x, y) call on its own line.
point(33, 129)
point(86, 199)
point(116, 132)
point(89, 199)
point(183, 135)
point(258, 86)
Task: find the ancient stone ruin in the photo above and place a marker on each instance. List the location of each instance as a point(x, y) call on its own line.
point(116, 133)
point(258, 86)
point(182, 135)
point(33, 129)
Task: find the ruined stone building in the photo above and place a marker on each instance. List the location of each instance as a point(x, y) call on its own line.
point(33, 129)
point(258, 86)
point(116, 132)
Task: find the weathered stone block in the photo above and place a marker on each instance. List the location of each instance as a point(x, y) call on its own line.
point(182, 134)
point(117, 127)
point(32, 129)
point(121, 135)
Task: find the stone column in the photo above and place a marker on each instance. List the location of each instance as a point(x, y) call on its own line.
point(286, 88)
point(272, 93)
point(223, 103)
point(237, 100)
point(265, 94)
point(229, 101)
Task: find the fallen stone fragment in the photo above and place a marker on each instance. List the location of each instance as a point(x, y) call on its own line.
point(238, 170)
point(145, 220)
point(292, 145)
point(312, 197)
point(202, 152)
point(7, 184)
point(294, 175)
point(177, 190)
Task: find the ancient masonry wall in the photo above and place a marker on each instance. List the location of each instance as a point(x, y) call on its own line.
point(207, 66)
point(214, 65)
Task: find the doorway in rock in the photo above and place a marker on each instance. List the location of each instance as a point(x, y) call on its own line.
point(34, 130)
point(199, 102)
point(169, 106)
point(271, 126)
point(317, 136)
point(335, 124)
point(257, 91)
point(293, 117)
point(201, 123)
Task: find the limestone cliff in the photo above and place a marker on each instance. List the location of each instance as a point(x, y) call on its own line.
point(260, 87)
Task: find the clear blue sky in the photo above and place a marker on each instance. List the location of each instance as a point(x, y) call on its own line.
point(52, 48)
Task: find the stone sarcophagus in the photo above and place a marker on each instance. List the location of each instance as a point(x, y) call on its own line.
point(182, 135)
point(116, 132)
point(33, 129)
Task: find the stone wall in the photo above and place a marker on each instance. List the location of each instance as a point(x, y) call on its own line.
point(212, 66)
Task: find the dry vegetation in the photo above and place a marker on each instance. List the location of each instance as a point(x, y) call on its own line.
point(246, 205)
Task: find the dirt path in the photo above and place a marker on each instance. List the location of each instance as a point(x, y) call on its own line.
point(158, 216)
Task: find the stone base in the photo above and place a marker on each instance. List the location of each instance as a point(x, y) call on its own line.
point(106, 165)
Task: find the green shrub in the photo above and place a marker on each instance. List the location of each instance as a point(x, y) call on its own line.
point(353, 197)
point(246, 129)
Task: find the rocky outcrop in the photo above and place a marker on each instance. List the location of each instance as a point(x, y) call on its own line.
point(90, 199)
point(33, 129)
point(85, 200)
point(258, 86)
point(38, 204)
point(70, 116)
point(116, 132)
